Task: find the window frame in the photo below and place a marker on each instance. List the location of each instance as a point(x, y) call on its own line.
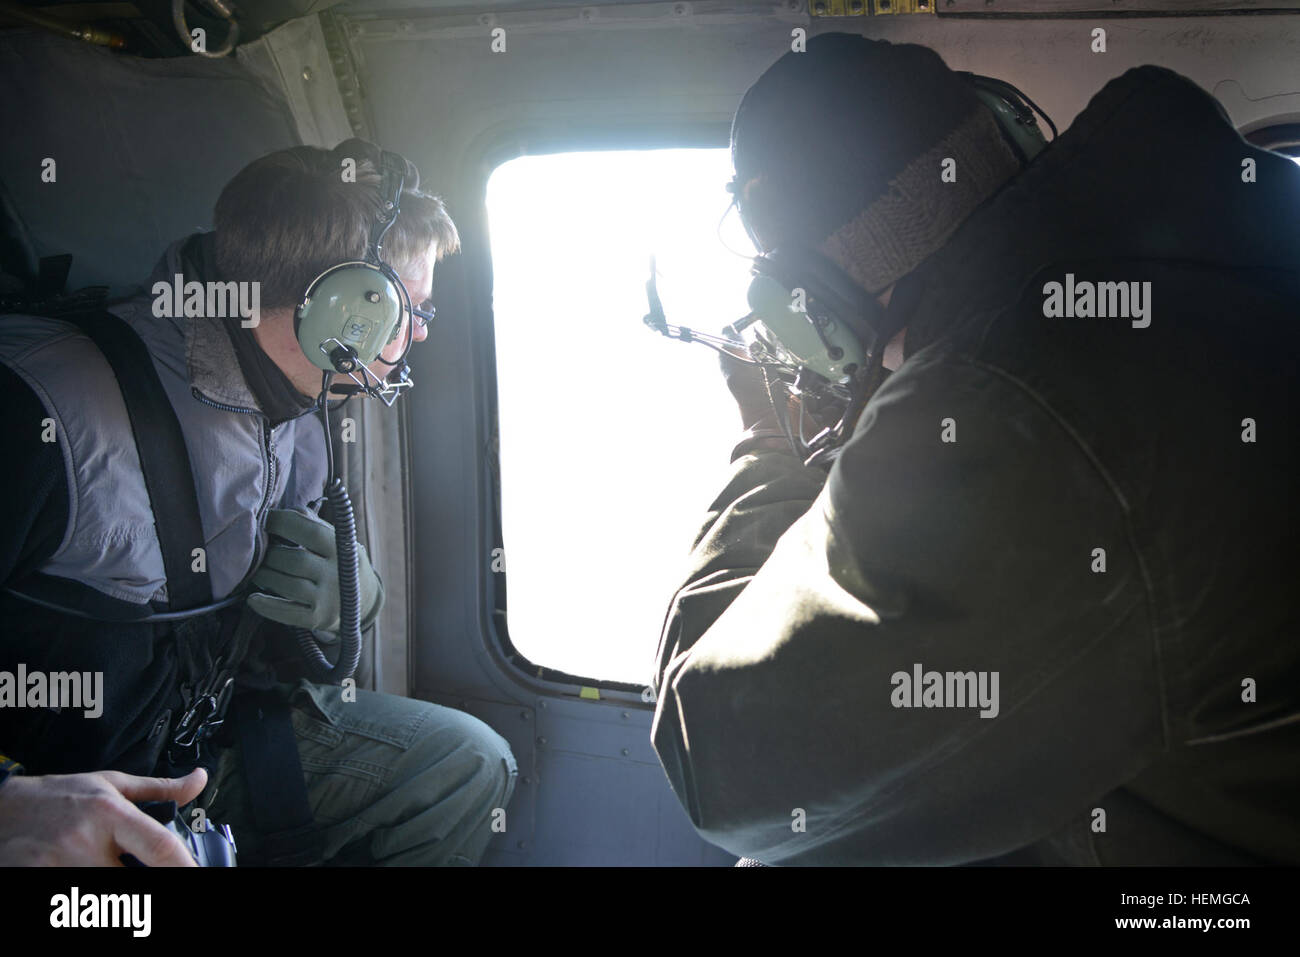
point(495, 588)
point(1281, 138)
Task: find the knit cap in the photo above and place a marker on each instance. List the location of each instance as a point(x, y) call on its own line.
point(841, 148)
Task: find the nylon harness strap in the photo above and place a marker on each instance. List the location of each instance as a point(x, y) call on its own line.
point(164, 460)
point(269, 752)
point(272, 768)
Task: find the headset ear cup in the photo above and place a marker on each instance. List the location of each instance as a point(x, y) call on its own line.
point(397, 289)
point(354, 304)
point(825, 283)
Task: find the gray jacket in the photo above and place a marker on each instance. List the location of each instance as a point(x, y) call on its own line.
point(243, 466)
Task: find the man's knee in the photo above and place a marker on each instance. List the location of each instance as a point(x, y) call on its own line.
point(399, 779)
point(456, 779)
point(460, 747)
point(447, 749)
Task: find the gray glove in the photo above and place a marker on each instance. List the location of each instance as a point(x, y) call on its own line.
point(303, 577)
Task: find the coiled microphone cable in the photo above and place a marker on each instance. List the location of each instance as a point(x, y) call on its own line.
point(345, 545)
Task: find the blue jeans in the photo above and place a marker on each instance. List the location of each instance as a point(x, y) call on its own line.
point(390, 780)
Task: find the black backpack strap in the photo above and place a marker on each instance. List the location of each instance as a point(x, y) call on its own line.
point(276, 786)
point(269, 748)
point(164, 460)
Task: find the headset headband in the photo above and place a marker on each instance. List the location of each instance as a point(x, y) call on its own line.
point(392, 172)
point(1014, 113)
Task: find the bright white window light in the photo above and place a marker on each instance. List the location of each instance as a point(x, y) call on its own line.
point(614, 439)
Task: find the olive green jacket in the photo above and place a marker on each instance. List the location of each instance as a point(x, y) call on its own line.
point(1095, 513)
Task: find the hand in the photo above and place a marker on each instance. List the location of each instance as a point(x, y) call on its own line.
point(303, 575)
point(89, 820)
point(745, 381)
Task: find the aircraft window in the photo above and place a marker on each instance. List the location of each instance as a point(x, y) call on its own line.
point(613, 439)
point(1282, 138)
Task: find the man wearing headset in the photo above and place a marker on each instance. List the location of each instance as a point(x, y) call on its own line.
point(1040, 609)
point(384, 779)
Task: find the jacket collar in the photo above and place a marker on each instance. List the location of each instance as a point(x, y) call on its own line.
point(211, 359)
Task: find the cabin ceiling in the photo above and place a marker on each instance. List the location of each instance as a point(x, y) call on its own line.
point(145, 27)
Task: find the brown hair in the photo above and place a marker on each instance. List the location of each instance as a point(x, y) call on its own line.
point(287, 217)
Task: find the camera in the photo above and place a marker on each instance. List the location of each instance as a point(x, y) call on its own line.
point(213, 846)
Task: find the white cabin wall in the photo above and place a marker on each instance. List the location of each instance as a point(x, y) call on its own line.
point(434, 85)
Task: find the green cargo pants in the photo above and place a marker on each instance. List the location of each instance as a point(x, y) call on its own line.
point(390, 780)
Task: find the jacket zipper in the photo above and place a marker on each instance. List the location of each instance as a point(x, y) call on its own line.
point(268, 446)
point(268, 478)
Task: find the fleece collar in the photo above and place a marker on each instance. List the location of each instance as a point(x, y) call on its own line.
point(216, 369)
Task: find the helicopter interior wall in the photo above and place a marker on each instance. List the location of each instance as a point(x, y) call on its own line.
point(627, 79)
point(140, 147)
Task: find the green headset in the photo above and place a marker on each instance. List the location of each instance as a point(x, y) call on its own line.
point(813, 328)
point(353, 311)
point(349, 314)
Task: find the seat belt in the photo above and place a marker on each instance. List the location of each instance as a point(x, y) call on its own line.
point(164, 460)
point(269, 749)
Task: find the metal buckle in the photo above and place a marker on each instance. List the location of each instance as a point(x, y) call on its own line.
point(204, 716)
